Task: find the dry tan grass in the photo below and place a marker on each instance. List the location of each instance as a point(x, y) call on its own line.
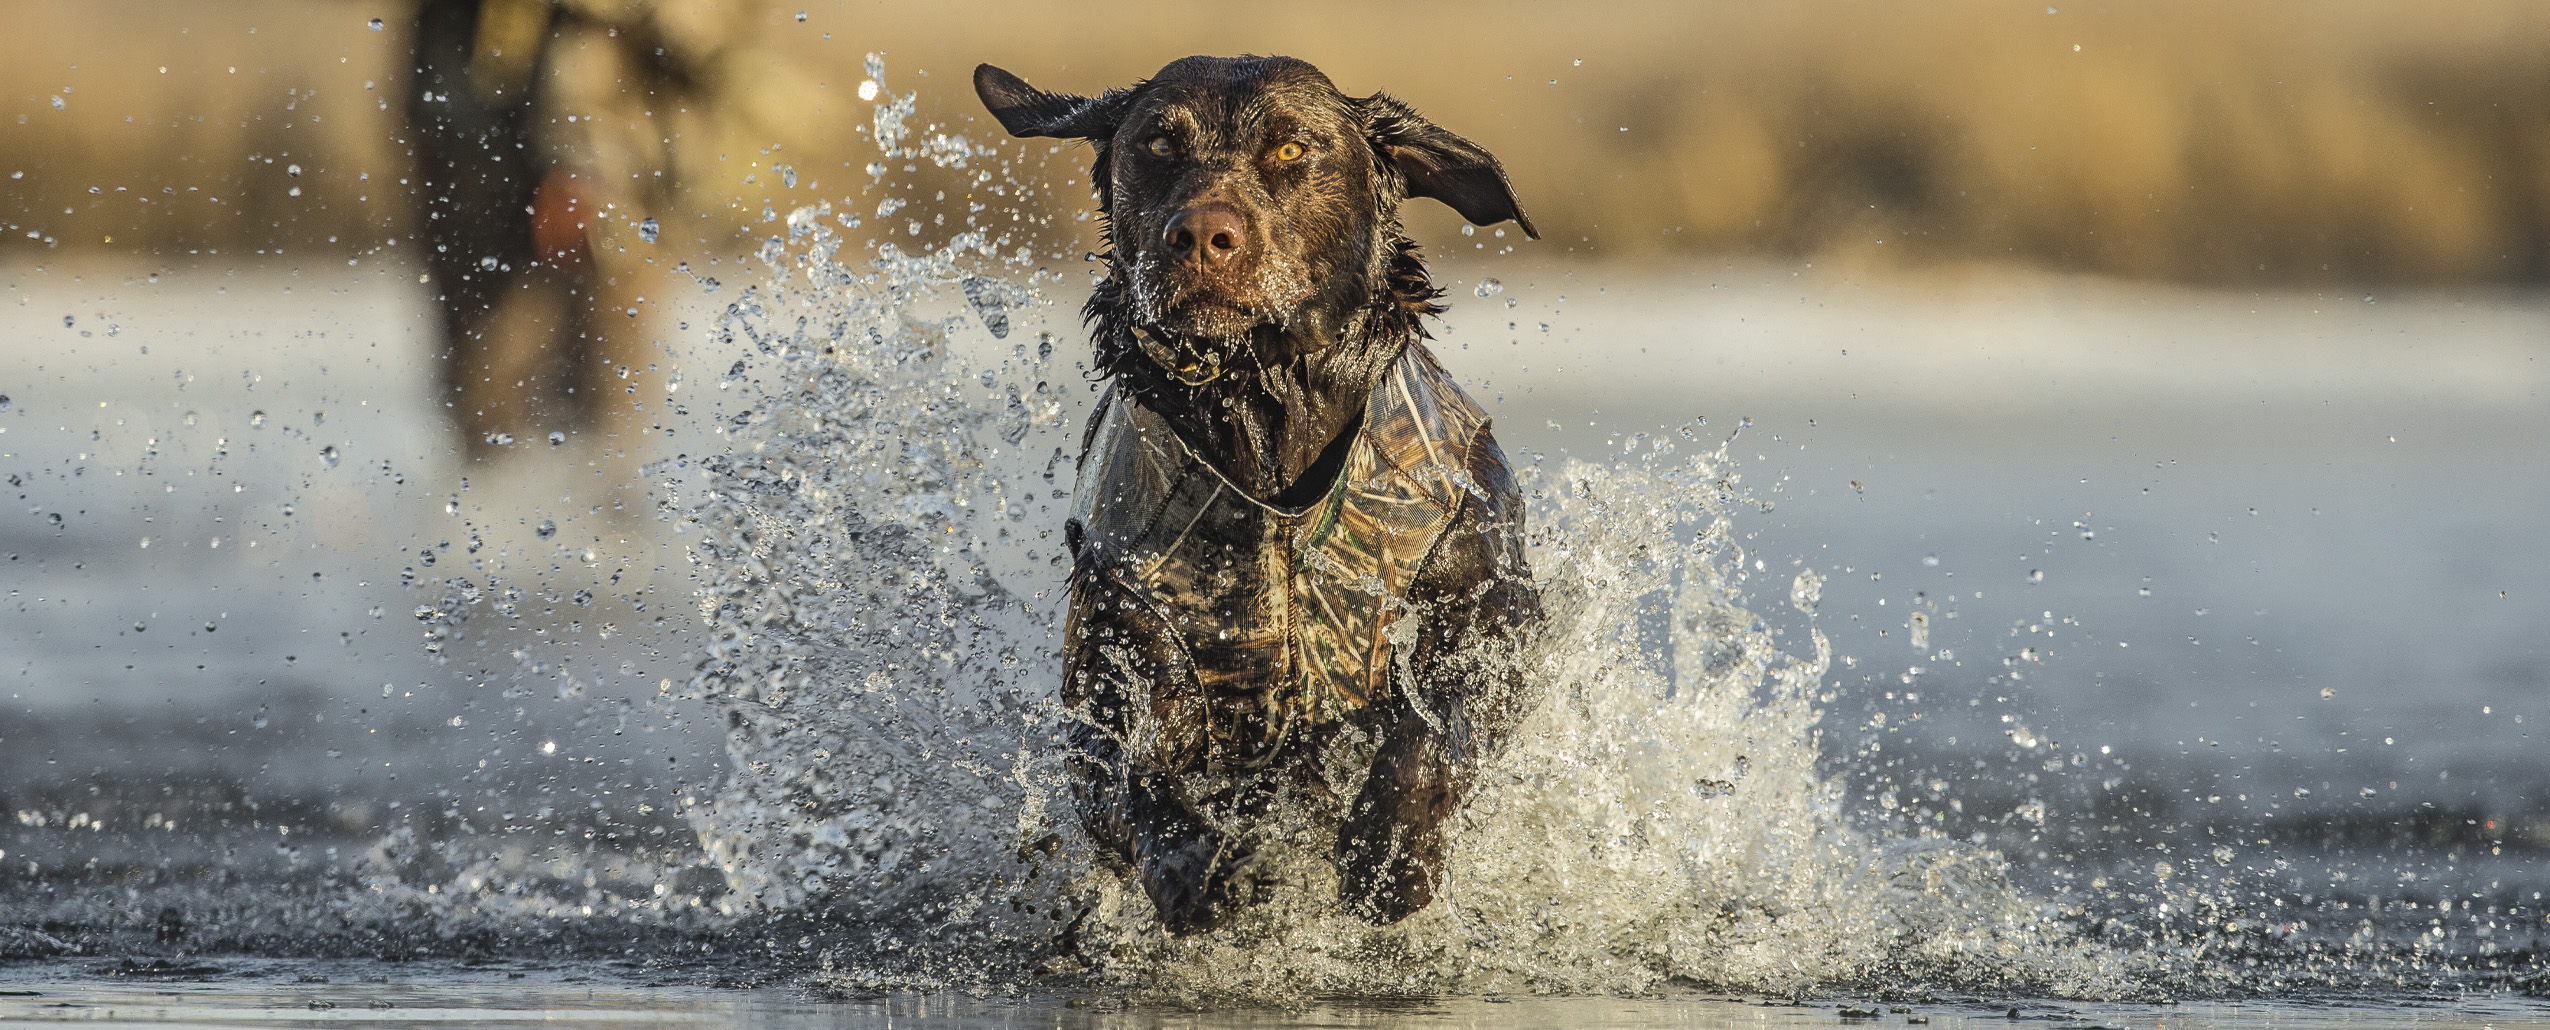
point(2275, 140)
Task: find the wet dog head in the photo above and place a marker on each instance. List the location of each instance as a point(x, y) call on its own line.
point(1249, 198)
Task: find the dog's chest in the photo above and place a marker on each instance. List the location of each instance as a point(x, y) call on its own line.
point(1287, 615)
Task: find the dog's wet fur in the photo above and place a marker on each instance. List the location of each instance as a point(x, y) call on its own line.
point(1254, 241)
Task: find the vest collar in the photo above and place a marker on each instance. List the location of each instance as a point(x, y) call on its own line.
point(1182, 362)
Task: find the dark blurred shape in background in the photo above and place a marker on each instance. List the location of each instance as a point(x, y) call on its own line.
point(536, 154)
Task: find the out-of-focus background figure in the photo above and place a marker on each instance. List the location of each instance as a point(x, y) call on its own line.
point(542, 133)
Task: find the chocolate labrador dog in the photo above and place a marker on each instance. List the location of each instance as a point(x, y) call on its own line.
point(1297, 552)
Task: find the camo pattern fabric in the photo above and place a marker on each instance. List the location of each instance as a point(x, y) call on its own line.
point(1285, 614)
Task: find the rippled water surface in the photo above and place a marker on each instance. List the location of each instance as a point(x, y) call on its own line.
point(1929, 643)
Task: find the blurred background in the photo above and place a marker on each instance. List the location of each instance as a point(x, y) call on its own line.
point(2252, 144)
point(2159, 386)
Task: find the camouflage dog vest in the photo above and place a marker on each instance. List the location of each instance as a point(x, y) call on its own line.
point(1286, 614)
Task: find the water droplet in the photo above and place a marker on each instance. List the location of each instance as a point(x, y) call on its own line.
point(376, 24)
point(2223, 856)
point(648, 230)
point(1469, 230)
point(501, 439)
point(1490, 288)
point(1806, 590)
point(556, 437)
point(292, 170)
point(58, 104)
point(6, 404)
point(801, 16)
point(788, 176)
point(259, 720)
point(2327, 694)
point(2036, 575)
point(256, 420)
point(328, 456)
point(773, 249)
point(190, 419)
point(318, 418)
point(984, 294)
point(547, 529)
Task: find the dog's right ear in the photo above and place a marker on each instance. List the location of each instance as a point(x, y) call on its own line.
point(1027, 111)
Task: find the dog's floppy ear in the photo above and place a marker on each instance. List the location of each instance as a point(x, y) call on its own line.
point(1439, 163)
point(1027, 111)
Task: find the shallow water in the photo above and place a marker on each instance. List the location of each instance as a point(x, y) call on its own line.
point(271, 993)
point(2015, 637)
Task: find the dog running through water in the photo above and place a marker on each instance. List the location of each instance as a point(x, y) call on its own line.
point(1297, 552)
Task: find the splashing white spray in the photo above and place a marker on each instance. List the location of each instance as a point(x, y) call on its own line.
point(882, 653)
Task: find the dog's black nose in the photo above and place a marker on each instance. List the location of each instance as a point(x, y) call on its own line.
point(1208, 234)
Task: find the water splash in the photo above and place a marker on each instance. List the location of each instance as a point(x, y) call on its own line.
point(874, 557)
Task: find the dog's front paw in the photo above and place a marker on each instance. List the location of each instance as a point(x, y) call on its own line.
point(1384, 873)
point(1194, 887)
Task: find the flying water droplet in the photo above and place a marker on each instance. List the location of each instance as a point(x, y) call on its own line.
point(788, 176)
point(985, 295)
point(292, 170)
point(2036, 575)
point(1490, 288)
point(259, 720)
point(648, 230)
point(6, 404)
point(190, 419)
point(58, 104)
point(318, 418)
point(547, 529)
point(328, 456)
point(557, 437)
point(773, 249)
point(256, 420)
point(801, 16)
point(376, 24)
point(1806, 591)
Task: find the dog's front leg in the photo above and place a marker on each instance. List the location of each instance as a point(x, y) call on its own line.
point(1139, 718)
point(1476, 600)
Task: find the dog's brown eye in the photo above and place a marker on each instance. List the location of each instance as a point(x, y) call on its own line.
point(1288, 152)
point(1160, 146)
